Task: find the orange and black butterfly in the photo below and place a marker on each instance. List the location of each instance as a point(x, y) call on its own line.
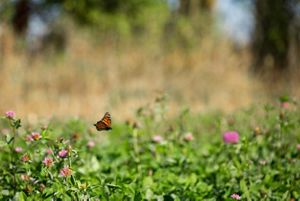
point(105, 123)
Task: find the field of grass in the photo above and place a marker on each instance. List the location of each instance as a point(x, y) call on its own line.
point(251, 154)
point(99, 71)
point(94, 75)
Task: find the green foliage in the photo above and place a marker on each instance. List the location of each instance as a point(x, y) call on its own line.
point(272, 35)
point(149, 22)
point(6, 11)
point(154, 159)
point(114, 14)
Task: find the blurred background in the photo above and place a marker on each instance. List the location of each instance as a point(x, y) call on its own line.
point(81, 58)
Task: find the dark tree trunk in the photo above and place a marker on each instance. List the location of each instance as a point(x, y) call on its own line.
point(185, 7)
point(271, 38)
point(294, 53)
point(192, 7)
point(21, 16)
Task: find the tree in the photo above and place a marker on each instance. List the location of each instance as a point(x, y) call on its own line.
point(192, 7)
point(91, 12)
point(21, 16)
point(271, 42)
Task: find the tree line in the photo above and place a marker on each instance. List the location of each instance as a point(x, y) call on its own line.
point(275, 43)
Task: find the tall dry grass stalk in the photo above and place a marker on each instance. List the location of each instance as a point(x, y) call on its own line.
point(91, 78)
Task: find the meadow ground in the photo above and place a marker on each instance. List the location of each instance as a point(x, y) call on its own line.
point(94, 76)
point(211, 137)
point(252, 154)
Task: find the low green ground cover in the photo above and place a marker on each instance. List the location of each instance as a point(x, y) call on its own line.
point(252, 154)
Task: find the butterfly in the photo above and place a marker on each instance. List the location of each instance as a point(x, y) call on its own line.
point(104, 123)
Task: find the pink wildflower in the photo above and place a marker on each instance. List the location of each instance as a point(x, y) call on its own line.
point(188, 137)
point(298, 147)
point(235, 196)
point(28, 138)
point(10, 114)
point(25, 158)
point(25, 177)
point(285, 105)
point(48, 161)
point(36, 136)
point(18, 149)
point(90, 144)
point(157, 139)
point(49, 151)
point(65, 172)
point(63, 153)
point(231, 137)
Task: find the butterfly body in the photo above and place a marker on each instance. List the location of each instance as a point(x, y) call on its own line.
point(105, 123)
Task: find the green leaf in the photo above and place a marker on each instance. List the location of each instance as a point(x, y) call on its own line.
point(2, 143)
point(245, 189)
point(20, 196)
point(10, 140)
point(5, 192)
point(17, 123)
point(149, 194)
point(147, 182)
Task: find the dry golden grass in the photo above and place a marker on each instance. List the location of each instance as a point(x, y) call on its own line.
point(92, 78)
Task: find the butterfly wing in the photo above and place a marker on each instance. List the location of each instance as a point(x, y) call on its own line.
point(104, 123)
